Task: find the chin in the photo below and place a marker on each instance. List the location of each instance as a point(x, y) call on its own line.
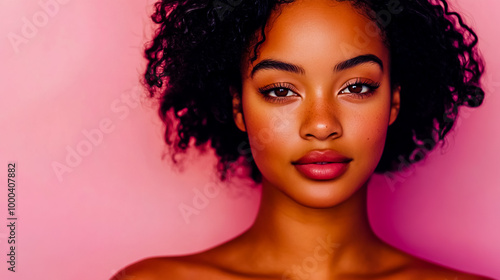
point(323, 194)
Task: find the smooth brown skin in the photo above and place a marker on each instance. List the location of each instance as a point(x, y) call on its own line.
point(308, 229)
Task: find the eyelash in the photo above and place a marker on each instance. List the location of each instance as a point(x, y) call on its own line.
point(265, 91)
point(372, 87)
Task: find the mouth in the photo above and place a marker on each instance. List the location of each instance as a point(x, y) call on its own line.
point(322, 157)
point(322, 171)
point(322, 165)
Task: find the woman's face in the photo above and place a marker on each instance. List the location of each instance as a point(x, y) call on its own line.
point(319, 87)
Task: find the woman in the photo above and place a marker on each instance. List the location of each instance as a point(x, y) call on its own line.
point(315, 96)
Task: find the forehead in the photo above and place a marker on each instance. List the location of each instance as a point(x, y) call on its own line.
point(308, 30)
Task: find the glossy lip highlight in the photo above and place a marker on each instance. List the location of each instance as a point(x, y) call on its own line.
point(322, 165)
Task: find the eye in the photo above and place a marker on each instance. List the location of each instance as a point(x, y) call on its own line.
point(360, 88)
point(276, 93)
point(280, 92)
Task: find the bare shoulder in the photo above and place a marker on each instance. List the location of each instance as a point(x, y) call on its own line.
point(150, 269)
point(174, 268)
point(421, 269)
point(210, 264)
point(398, 264)
point(222, 264)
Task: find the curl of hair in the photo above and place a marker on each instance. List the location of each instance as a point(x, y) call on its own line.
point(195, 55)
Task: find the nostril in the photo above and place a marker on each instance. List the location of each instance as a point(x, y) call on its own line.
point(321, 123)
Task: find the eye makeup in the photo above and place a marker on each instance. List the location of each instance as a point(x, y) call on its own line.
point(282, 92)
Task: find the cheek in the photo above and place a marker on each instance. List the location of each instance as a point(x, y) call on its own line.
point(268, 126)
point(371, 131)
point(267, 134)
point(259, 130)
point(261, 138)
point(265, 144)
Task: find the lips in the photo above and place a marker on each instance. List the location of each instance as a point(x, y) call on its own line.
point(322, 165)
point(322, 157)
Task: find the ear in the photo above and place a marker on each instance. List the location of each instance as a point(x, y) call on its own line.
point(238, 118)
point(395, 103)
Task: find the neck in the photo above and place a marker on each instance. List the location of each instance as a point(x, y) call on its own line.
point(292, 235)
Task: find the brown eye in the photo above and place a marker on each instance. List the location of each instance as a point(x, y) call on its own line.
point(360, 88)
point(281, 92)
point(355, 88)
point(278, 92)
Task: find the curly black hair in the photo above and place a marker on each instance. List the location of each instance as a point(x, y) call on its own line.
point(195, 56)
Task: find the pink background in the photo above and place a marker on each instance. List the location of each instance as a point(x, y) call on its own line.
point(71, 71)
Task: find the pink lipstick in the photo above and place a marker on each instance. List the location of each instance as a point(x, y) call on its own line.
point(322, 165)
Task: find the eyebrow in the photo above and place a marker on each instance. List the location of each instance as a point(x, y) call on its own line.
point(367, 58)
point(277, 65)
point(292, 68)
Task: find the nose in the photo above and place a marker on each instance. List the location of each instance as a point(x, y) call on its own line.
point(321, 119)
